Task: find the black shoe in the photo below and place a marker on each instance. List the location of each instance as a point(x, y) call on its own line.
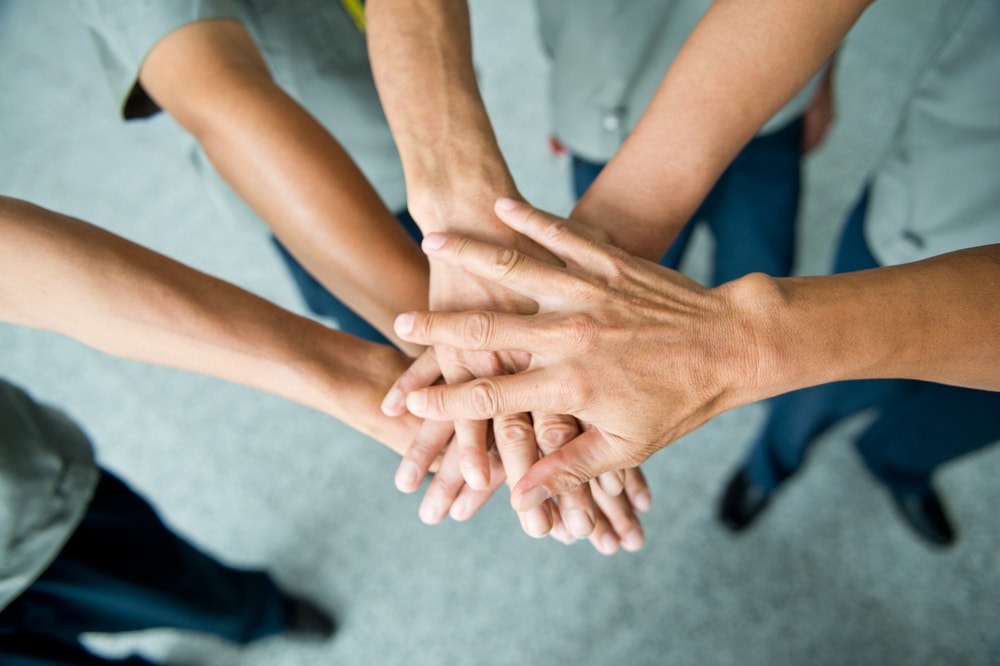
point(304, 620)
point(925, 514)
point(742, 502)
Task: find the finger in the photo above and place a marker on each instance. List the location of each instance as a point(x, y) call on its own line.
point(621, 517)
point(637, 490)
point(470, 439)
point(422, 372)
point(613, 482)
point(576, 506)
point(545, 390)
point(522, 274)
point(559, 531)
point(470, 501)
point(603, 538)
point(579, 461)
point(551, 232)
point(443, 489)
point(431, 440)
point(473, 330)
point(515, 441)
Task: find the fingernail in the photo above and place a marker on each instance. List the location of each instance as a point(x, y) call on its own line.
point(407, 477)
point(461, 509)
point(404, 323)
point(434, 241)
point(609, 544)
point(579, 523)
point(532, 498)
point(430, 512)
point(416, 402)
point(633, 540)
point(643, 501)
point(394, 403)
point(475, 478)
point(561, 534)
point(504, 203)
point(538, 523)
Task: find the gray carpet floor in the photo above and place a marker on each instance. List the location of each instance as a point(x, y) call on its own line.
point(829, 575)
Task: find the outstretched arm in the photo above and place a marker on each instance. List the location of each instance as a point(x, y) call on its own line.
point(65, 275)
point(742, 62)
point(211, 78)
point(646, 355)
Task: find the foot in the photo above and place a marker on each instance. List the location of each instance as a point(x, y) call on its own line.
point(305, 620)
point(742, 502)
point(925, 514)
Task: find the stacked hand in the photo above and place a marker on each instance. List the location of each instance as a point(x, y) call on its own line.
point(637, 352)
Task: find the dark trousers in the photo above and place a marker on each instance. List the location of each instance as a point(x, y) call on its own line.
point(751, 210)
point(124, 570)
point(919, 425)
point(322, 302)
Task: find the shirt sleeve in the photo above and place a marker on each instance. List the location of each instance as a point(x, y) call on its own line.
point(123, 32)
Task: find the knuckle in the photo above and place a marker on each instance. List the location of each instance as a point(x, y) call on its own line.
point(485, 398)
point(553, 436)
point(580, 330)
point(505, 263)
point(512, 431)
point(478, 329)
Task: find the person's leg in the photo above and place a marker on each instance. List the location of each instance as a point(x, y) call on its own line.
point(753, 217)
point(917, 433)
point(797, 418)
point(124, 570)
point(321, 302)
point(23, 649)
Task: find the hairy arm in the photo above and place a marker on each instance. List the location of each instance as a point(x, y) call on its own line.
point(211, 78)
point(742, 62)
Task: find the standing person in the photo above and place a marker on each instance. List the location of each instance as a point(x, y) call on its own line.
point(935, 192)
point(607, 59)
point(81, 551)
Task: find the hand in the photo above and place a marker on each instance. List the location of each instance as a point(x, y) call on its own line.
point(579, 515)
point(638, 351)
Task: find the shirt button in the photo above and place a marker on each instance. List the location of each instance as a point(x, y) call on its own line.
point(611, 122)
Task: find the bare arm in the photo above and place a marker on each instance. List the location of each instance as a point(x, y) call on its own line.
point(211, 78)
point(742, 62)
point(61, 274)
point(647, 355)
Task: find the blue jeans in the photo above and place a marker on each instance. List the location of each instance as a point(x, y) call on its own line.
point(751, 210)
point(919, 426)
point(322, 302)
point(124, 570)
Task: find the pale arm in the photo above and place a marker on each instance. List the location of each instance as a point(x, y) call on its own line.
point(646, 355)
point(421, 55)
point(210, 77)
point(742, 62)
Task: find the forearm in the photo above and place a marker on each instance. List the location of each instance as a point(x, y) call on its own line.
point(934, 320)
point(738, 67)
point(64, 275)
point(288, 168)
point(421, 53)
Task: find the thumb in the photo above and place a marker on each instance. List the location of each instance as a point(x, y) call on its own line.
point(576, 463)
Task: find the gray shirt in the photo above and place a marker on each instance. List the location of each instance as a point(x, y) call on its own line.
point(47, 477)
point(313, 49)
point(609, 57)
point(938, 188)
